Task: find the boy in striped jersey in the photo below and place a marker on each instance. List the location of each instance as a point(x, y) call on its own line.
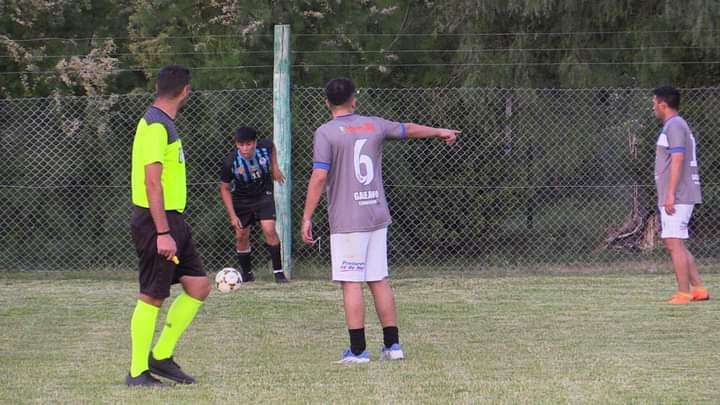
point(246, 188)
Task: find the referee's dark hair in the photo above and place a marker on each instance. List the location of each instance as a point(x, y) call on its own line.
point(668, 94)
point(245, 134)
point(171, 80)
point(338, 91)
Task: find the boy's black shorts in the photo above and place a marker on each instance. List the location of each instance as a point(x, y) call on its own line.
point(260, 209)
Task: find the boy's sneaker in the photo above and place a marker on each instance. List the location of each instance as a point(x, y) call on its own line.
point(393, 352)
point(169, 369)
point(145, 379)
point(680, 298)
point(349, 357)
point(247, 276)
point(700, 294)
point(280, 276)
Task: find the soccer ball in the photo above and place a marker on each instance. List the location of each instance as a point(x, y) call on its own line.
point(227, 280)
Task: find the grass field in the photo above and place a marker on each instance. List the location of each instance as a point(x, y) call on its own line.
point(468, 338)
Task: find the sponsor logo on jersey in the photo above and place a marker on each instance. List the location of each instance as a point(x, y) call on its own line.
point(366, 195)
point(365, 128)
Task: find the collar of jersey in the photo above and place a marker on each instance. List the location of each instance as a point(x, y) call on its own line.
point(238, 154)
point(163, 112)
point(670, 119)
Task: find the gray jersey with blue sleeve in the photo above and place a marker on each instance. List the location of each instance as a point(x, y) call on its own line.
point(676, 137)
point(350, 148)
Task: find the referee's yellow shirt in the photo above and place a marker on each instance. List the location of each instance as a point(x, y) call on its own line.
point(157, 141)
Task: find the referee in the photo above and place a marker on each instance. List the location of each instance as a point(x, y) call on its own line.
point(160, 233)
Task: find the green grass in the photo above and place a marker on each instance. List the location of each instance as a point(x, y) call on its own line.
point(469, 339)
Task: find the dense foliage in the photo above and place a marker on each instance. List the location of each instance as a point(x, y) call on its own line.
point(102, 46)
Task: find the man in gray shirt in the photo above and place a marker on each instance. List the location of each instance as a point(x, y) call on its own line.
point(347, 158)
point(678, 190)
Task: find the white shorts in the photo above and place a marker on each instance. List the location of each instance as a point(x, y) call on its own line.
point(675, 225)
point(359, 256)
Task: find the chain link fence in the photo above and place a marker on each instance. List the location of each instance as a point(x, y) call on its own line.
point(538, 177)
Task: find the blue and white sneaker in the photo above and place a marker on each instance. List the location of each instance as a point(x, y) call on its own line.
point(348, 357)
point(393, 352)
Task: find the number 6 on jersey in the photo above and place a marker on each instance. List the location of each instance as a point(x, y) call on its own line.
point(362, 160)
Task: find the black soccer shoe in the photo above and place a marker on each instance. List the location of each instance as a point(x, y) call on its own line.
point(280, 277)
point(169, 369)
point(247, 276)
point(145, 379)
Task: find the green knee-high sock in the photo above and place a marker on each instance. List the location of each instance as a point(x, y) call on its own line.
point(180, 315)
point(142, 329)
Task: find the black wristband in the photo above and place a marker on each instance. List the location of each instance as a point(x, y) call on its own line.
point(164, 233)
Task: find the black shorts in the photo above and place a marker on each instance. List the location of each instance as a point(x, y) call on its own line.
point(260, 209)
point(157, 273)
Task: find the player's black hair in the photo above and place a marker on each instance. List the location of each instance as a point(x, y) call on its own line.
point(669, 94)
point(171, 80)
point(244, 134)
point(338, 91)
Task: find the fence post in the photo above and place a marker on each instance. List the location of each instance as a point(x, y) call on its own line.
point(282, 134)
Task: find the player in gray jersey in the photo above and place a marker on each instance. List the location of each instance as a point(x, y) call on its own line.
point(678, 190)
point(347, 158)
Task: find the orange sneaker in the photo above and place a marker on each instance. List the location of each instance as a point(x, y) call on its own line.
point(680, 298)
point(700, 294)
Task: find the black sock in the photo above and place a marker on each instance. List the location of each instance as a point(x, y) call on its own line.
point(274, 256)
point(357, 340)
point(390, 336)
point(244, 260)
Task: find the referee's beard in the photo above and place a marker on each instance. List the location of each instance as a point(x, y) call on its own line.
point(184, 101)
